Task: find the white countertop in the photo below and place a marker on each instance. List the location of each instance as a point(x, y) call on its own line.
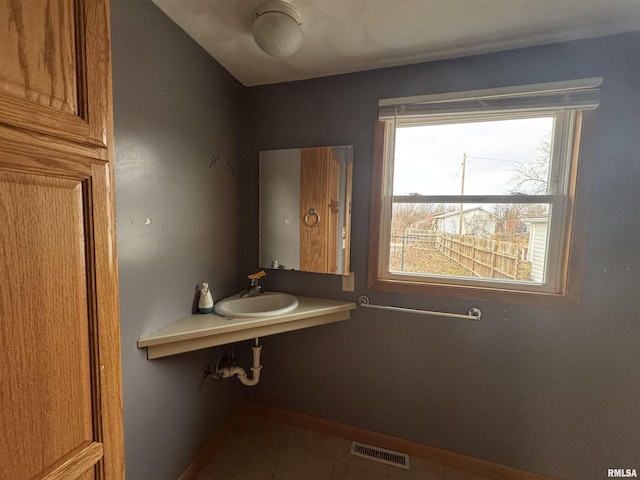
point(207, 330)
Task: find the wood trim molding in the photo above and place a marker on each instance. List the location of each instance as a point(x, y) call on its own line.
point(437, 455)
point(448, 458)
point(574, 243)
point(76, 462)
point(376, 203)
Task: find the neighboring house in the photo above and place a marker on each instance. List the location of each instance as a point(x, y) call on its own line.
point(537, 252)
point(475, 221)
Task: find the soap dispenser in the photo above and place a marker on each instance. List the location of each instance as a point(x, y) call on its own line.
point(205, 303)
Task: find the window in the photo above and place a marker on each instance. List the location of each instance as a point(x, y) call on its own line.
point(475, 193)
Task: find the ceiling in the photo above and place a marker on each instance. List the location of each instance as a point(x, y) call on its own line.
point(342, 36)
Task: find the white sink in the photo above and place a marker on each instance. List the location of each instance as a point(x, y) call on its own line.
point(266, 304)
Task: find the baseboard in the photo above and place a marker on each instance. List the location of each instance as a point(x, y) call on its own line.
point(440, 456)
point(448, 458)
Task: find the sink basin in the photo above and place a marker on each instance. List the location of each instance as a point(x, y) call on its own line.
point(267, 304)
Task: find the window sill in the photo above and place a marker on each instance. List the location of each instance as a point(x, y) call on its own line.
point(499, 295)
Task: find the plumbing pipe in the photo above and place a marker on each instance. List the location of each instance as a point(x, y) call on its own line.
point(228, 372)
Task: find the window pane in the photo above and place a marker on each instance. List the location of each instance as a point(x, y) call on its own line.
point(475, 158)
point(487, 241)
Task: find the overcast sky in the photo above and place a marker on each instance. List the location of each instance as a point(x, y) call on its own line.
point(428, 160)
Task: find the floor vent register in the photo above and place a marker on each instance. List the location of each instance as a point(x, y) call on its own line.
point(381, 455)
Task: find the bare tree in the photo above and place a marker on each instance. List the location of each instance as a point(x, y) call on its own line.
point(478, 226)
point(511, 216)
point(416, 215)
point(532, 176)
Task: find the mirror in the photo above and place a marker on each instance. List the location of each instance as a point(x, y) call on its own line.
point(305, 209)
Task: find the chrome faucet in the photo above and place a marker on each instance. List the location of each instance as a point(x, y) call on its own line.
point(255, 288)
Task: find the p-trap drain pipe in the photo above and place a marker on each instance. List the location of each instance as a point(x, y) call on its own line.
point(228, 372)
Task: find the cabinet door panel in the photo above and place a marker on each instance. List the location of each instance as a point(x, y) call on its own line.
point(313, 194)
point(47, 336)
point(38, 49)
point(319, 189)
point(60, 385)
point(53, 70)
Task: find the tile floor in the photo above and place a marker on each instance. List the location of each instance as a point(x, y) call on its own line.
point(264, 449)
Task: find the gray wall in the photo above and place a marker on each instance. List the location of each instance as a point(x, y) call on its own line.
point(547, 389)
point(178, 125)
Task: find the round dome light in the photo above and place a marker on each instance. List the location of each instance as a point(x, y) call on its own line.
point(277, 28)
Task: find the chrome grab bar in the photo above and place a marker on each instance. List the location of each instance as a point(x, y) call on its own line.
point(474, 313)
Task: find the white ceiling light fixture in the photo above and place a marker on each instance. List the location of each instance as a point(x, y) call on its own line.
point(277, 28)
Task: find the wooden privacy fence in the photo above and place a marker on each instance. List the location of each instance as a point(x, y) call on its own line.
point(482, 257)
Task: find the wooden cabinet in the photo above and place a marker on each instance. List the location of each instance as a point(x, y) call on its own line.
point(60, 398)
point(319, 209)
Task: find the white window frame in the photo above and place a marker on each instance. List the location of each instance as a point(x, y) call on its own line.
point(502, 104)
